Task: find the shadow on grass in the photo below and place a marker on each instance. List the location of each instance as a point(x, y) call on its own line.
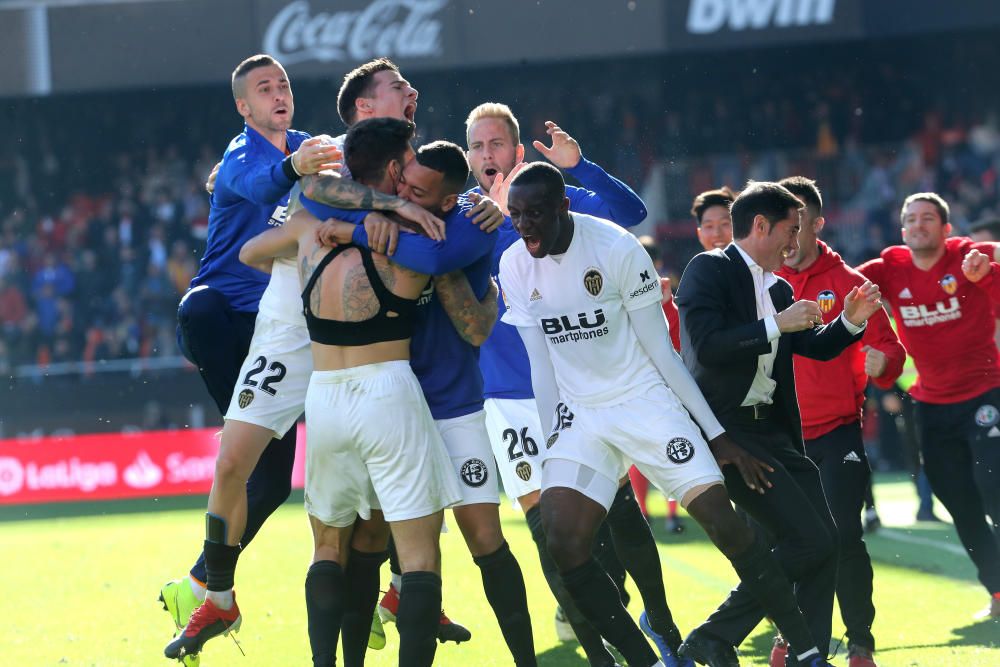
point(562, 654)
point(985, 633)
point(111, 507)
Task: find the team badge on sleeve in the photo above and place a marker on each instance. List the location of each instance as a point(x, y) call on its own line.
point(949, 284)
point(523, 471)
point(987, 415)
point(826, 300)
point(246, 398)
point(593, 282)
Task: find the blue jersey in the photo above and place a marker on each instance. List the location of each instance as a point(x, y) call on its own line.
point(444, 363)
point(251, 194)
point(503, 359)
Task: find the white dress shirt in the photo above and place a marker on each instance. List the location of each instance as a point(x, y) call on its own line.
point(763, 386)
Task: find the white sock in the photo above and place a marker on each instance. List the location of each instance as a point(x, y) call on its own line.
point(397, 581)
point(803, 656)
point(197, 588)
point(221, 599)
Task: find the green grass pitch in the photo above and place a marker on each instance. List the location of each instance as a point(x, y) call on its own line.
point(82, 590)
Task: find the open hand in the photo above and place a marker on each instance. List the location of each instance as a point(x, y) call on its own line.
point(752, 470)
point(486, 213)
point(564, 152)
point(316, 154)
point(862, 302)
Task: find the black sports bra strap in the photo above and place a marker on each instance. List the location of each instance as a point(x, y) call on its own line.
point(382, 292)
point(322, 265)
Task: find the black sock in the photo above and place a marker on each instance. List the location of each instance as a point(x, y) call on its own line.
point(597, 597)
point(393, 557)
point(418, 617)
point(637, 549)
point(605, 553)
point(220, 565)
point(764, 579)
point(589, 638)
point(324, 609)
point(504, 587)
point(362, 582)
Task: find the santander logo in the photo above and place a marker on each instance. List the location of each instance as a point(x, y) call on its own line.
point(142, 473)
point(404, 28)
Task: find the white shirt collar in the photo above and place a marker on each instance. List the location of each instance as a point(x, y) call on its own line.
point(769, 278)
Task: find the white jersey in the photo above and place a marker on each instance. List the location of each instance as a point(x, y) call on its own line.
point(282, 299)
point(580, 300)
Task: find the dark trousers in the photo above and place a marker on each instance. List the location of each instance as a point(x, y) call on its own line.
point(845, 472)
point(216, 339)
point(960, 447)
point(795, 512)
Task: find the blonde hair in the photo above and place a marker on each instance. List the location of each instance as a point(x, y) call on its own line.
point(494, 110)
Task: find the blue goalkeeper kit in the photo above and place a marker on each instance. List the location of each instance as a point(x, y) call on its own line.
point(251, 193)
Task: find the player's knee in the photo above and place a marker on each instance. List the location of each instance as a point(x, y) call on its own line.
point(230, 468)
point(200, 303)
point(568, 547)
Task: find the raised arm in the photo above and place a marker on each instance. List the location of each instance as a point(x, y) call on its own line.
point(605, 196)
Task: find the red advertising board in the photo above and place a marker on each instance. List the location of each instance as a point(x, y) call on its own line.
point(113, 466)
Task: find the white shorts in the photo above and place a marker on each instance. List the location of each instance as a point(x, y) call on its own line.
point(516, 437)
point(653, 431)
point(468, 446)
point(271, 388)
point(372, 444)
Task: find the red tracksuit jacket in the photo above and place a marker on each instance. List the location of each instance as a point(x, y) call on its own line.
point(831, 393)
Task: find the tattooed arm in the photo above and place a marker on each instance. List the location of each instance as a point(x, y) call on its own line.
point(472, 318)
point(333, 190)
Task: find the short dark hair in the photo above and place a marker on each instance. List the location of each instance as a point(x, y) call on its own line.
point(449, 159)
point(359, 83)
point(988, 224)
point(806, 190)
point(373, 143)
point(706, 200)
point(761, 198)
point(942, 206)
point(247, 66)
point(544, 174)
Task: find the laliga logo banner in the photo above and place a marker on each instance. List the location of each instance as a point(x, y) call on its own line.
point(393, 28)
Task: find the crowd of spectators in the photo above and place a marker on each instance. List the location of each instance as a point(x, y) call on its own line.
point(103, 213)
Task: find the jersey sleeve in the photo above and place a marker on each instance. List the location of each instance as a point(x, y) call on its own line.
point(873, 270)
point(514, 297)
point(605, 196)
point(634, 273)
point(259, 181)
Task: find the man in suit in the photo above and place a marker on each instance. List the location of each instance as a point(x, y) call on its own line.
point(739, 328)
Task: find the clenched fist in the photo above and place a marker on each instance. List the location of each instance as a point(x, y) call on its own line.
point(976, 266)
point(799, 316)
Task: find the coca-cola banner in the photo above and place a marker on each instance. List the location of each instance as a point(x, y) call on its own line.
point(97, 46)
point(115, 466)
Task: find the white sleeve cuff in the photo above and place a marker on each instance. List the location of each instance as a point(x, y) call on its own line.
point(771, 325)
point(851, 328)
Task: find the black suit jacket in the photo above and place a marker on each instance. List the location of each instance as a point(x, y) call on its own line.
point(722, 337)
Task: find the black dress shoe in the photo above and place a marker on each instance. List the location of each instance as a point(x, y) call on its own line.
point(708, 650)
